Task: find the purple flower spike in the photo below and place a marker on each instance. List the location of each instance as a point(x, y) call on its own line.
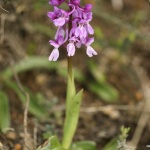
point(73, 26)
point(54, 55)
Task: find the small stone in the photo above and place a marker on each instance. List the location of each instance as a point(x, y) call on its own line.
point(17, 146)
point(11, 135)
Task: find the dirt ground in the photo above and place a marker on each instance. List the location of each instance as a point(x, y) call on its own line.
point(122, 41)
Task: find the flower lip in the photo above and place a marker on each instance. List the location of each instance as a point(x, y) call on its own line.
point(54, 55)
point(90, 51)
point(80, 31)
point(71, 49)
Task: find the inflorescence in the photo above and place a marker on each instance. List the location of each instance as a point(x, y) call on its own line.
point(73, 28)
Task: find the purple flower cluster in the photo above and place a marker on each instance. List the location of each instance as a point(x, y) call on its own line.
point(73, 26)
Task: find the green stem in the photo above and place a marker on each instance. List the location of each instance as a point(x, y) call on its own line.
point(70, 67)
point(67, 131)
point(73, 102)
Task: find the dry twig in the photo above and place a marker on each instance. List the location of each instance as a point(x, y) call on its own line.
point(4, 9)
point(25, 120)
point(103, 108)
point(2, 28)
point(35, 134)
point(145, 85)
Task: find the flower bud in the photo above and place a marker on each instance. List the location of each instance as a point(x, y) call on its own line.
point(75, 2)
point(55, 2)
point(88, 7)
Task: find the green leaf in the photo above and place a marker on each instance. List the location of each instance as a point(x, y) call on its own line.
point(124, 133)
point(104, 91)
point(100, 86)
point(52, 144)
point(112, 145)
point(72, 120)
point(29, 63)
point(45, 146)
point(96, 73)
point(39, 62)
point(35, 106)
point(4, 112)
point(84, 145)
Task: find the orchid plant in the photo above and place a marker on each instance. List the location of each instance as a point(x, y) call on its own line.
point(73, 30)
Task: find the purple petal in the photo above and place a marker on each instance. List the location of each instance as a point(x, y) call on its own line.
point(90, 51)
point(60, 32)
point(53, 2)
point(74, 24)
point(80, 13)
point(51, 15)
point(59, 22)
point(80, 32)
point(78, 44)
point(54, 55)
point(66, 38)
point(89, 41)
point(60, 40)
point(77, 31)
point(61, 35)
point(84, 33)
point(72, 10)
point(90, 29)
point(75, 14)
point(53, 43)
point(56, 9)
point(83, 40)
point(89, 16)
point(72, 31)
point(71, 49)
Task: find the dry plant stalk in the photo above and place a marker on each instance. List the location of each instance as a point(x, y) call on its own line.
point(143, 120)
point(4, 9)
point(27, 137)
point(2, 29)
